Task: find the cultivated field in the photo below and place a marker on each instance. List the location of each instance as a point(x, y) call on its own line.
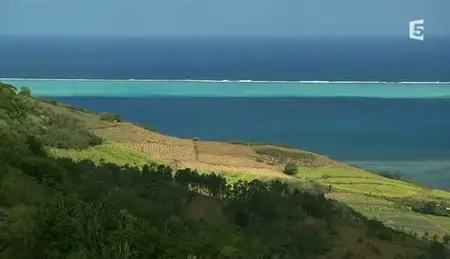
point(368, 193)
point(108, 153)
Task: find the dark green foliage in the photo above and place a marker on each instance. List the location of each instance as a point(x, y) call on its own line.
point(25, 117)
point(376, 229)
point(25, 91)
point(432, 208)
point(109, 211)
point(77, 209)
point(373, 248)
point(284, 156)
point(290, 169)
point(110, 117)
point(65, 132)
point(437, 251)
point(446, 240)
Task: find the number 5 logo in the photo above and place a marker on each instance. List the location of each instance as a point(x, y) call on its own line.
point(417, 30)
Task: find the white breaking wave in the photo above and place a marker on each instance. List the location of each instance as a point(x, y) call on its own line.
point(220, 81)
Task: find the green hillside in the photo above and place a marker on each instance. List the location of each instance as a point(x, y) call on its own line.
point(76, 184)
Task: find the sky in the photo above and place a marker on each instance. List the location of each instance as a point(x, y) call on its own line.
point(269, 18)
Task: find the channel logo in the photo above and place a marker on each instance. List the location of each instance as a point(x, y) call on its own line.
point(417, 30)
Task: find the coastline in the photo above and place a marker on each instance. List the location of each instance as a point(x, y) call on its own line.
point(433, 173)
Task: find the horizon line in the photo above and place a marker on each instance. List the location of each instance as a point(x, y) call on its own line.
point(226, 80)
point(217, 36)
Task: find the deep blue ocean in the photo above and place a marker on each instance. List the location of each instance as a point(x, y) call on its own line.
point(271, 59)
point(407, 134)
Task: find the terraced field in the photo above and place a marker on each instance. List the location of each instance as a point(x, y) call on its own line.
point(109, 152)
point(368, 193)
point(393, 214)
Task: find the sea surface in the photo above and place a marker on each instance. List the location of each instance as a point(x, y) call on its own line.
point(264, 59)
point(380, 103)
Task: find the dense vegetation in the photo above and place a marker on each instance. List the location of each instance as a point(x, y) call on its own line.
point(290, 169)
point(22, 116)
point(59, 208)
point(283, 156)
point(433, 208)
point(111, 117)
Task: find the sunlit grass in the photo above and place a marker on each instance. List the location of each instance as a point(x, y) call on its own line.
point(314, 173)
point(359, 181)
point(409, 220)
point(443, 222)
point(108, 152)
point(393, 214)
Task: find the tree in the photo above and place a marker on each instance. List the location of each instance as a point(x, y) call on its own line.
point(446, 239)
point(111, 117)
point(290, 169)
point(25, 91)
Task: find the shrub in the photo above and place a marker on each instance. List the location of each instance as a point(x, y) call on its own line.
point(432, 208)
point(446, 240)
point(8, 85)
point(25, 91)
point(66, 132)
point(110, 117)
point(283, 156)
point(290, 169)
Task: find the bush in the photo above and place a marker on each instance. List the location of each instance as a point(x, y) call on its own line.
point(25, 91)
point(446, 240)
point(432, 208)
point(290, 169)
point(110, 117)
point(283, 156)
point(67, 133)
point(8, 85)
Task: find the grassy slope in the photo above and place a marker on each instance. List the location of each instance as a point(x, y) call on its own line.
point(367, 193)
point(108, 152)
